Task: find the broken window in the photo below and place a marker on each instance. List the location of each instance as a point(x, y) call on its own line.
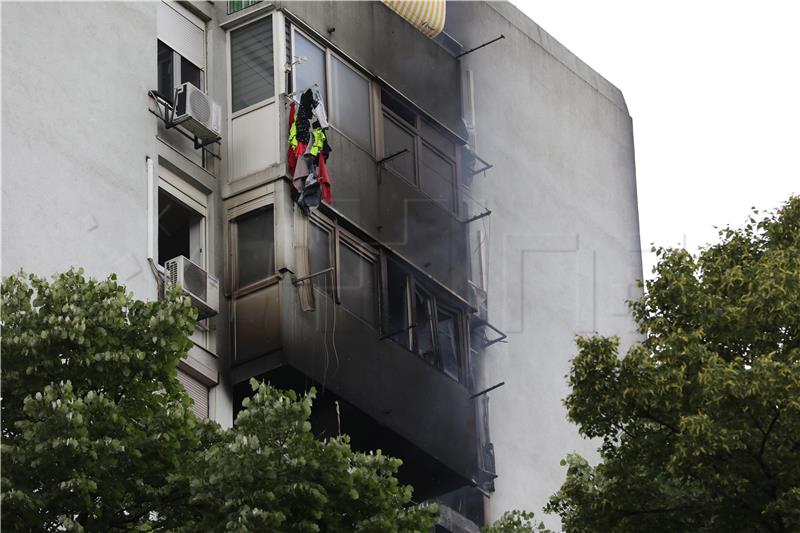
point(447, 339)
point(255, 247)
point(396, 319)
point(423, 333)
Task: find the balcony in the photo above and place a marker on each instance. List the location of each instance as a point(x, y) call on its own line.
point(386, 344)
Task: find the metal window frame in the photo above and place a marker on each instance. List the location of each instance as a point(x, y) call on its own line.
point(229, 64)
point(420, 142)
point(233, 238)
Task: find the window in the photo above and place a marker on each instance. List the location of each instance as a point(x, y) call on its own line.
point(181, 49)
point(311, 69)
point(254, 237)
point(355, 280)
point(430, 161)
point(396, 313)
point(319, 256)
point(252, 64)
point(447, 340)
point(350, 103)
point(397, 138)
point(197, 391)
point(412, 313)
point(423, 333)
point(357, 283)
point(182, 215)
point(181, 230)
point(175, 70)
point(238, 5)
point(435, 332)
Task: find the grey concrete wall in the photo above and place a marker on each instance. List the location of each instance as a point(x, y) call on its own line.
point(76, 135)
point(563, 237)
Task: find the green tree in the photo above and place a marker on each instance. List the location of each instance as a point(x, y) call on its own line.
point(98, 434)
point(516, 521)
point(700, 422)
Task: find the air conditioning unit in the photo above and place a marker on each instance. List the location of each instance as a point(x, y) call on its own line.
point(201, 287)
point(196, 112)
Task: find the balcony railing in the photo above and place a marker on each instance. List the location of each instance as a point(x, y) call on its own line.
point(238, 5)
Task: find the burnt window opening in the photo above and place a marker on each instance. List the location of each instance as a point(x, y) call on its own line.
point(430, 160)
point(180, 230)
point(447, 340)
point(255, 247)
point(423, 332)
point(412, 312)
point(415, 318)
point(174, 70)
point(396, 315)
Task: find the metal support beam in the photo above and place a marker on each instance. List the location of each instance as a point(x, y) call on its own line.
point(477, 217)
point(380, 162)
point(297, 281)
point(462, 54)
point(484, 391)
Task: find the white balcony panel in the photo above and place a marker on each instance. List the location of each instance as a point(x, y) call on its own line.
point(254, 141)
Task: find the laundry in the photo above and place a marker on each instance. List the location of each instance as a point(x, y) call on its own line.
point(308, 151)
point(319, 110)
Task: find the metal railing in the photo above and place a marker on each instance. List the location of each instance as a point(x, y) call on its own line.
point(238, 5)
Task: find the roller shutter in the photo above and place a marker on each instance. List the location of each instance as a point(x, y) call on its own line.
point(197, 391)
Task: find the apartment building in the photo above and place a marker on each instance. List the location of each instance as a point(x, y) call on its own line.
point(483, 212)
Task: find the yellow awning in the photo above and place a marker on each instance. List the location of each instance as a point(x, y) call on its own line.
point(425, 15)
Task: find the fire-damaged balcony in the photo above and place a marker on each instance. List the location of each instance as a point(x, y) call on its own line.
point(384, 343)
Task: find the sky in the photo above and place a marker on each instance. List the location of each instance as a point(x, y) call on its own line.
point(713, 88)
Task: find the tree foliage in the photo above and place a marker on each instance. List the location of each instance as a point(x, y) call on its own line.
point(700, 422)
point(98, 434)
point(516, 521)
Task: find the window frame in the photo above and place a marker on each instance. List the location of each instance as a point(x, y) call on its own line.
point(338, 237)
point(329, 56)
point(293, 30)
point(421, 142)
point(276, 69)
point(332, 56)
point(413, 287)
point(192, 199)
point(177, 68)
point(233, 238)
point(458, 337)
point(197, 201)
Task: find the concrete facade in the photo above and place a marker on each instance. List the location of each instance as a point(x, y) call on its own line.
point(86, 159)
point(562, 243)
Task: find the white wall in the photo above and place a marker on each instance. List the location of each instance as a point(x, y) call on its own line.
point(75, 135)
point(563, 235)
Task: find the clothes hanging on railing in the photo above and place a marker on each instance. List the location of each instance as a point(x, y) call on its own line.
point(309, 150)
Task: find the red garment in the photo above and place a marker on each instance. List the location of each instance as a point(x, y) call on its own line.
point(291, 156)
point(324, 181)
